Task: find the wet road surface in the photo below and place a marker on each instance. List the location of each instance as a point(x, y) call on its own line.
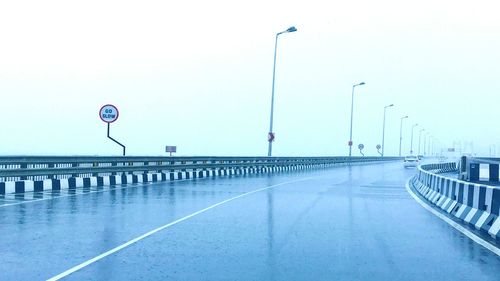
point(344, 223)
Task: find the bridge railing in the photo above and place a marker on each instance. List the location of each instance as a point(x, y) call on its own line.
point(470, 169)
point(38, 168)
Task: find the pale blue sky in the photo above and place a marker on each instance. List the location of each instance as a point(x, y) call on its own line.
point(197, 74)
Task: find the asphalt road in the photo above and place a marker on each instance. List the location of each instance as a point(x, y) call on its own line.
point(344, 223)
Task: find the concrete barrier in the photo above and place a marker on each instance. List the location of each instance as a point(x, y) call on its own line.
point(475, 204)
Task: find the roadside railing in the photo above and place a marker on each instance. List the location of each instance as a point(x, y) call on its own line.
point(480, 169)
point(37, 168)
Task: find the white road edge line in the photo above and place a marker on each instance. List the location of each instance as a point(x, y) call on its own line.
point(116, 249)
point(455, 225)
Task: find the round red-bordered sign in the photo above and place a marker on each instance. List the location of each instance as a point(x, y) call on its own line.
point(108, 113)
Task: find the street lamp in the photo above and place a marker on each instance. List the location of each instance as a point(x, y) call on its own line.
point(431, 145)
point(352, 108)
point(411, 145)
point(383, 128)
point(401, 133)
point(270, 136)
point(425, 143)
point(419, 137)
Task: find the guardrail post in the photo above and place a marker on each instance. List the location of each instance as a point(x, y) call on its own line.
point(74, 165)
point(194, 170)
point(95, 164)
point(24, 166)
point(473, 172)
point(494, 172)
point(172, 175)
point(145, 172)
point(159, 163)
point(114, 164)
point(463, 164)
point(131, 164)
point(50, 176)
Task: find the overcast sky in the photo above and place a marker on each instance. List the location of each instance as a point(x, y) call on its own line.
point(197, 74)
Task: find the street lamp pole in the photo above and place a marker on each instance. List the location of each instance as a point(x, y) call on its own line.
point(419, 138)
point(383, 128)
point(270, 137)
point(425, 143)
point(429, 145)
point(411, 145)
point(401, 133)
point(352, 109)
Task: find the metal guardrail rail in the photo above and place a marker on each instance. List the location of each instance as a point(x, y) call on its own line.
point(14, 168)
point(470, 169)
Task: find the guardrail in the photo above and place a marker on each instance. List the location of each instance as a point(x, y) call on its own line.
point(470, 169)
point(38, 173)
point(476, 204)
point(61, 167)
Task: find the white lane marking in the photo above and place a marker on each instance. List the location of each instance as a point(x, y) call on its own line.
point(455, 225)
point(118, 248)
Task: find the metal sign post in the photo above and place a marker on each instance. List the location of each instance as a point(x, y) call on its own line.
point(109, 114)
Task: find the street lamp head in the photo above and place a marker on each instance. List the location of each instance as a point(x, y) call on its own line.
point(362, 83)
point(391, 105)
point(404, 117)
point(415, 125)
point(291, 29)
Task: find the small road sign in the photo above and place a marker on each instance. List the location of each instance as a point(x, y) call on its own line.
point(171, 149)
point(361, 147)
point(108, 113)
point(270, 137)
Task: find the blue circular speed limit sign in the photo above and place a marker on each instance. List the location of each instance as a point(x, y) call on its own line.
point(108, 113)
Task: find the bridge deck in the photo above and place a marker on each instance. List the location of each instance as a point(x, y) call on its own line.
point(343, 223)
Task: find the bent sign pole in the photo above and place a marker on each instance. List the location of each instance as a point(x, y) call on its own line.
point(109, 114)
point(361, 147)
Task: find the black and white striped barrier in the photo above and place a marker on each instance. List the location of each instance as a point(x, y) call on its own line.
point(79, 182)
point(475, 204)
point(483, 172)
